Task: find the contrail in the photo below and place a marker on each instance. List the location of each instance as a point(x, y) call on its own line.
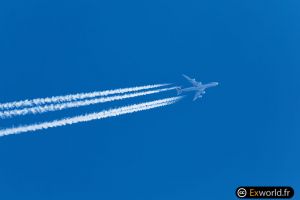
point(72, 104)
point(93, 116)
point(74, 97)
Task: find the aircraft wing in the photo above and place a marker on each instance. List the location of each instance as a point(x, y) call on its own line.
point(197, 95)
point(192, 80)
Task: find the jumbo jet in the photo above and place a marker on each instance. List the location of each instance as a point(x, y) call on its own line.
point(198, 87)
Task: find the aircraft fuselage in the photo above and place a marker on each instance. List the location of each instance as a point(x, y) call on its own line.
point(200, 87)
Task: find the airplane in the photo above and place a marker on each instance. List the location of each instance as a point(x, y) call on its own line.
point(197, 86)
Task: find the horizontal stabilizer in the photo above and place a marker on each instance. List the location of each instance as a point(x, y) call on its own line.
point(179, 90)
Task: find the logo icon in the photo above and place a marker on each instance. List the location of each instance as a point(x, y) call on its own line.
point(264, 192)
point(241, 192)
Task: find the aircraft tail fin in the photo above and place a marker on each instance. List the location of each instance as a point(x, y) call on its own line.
point(179, 90)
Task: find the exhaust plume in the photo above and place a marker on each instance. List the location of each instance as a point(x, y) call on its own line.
point(73, 97)
point(73, 104)
point(93, 116)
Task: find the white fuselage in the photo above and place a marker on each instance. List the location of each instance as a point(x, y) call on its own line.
point(200, 87)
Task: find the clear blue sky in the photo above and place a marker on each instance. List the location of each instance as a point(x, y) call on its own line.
point(244, 132)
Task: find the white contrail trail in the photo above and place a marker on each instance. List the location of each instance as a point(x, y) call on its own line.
point(93, 116)
point(73, 104)
point(74, 97)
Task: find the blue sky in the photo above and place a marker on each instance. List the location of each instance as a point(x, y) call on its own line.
point(244, 132)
